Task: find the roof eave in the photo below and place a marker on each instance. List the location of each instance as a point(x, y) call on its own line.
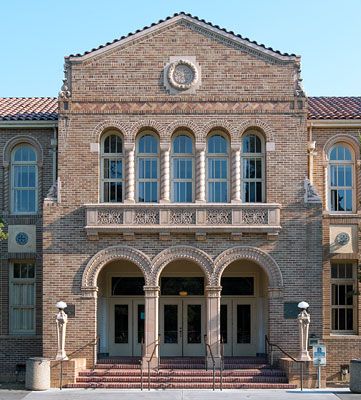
point(29, 124)
point(337, 123)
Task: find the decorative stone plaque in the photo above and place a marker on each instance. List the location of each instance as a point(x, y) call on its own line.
point(22, 239)
point(182, 75)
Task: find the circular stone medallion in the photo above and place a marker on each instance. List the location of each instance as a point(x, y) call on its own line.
point(22, 238)
point(182, 74)
point(342, 238)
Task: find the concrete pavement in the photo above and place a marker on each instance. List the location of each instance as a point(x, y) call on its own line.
point(91, 394)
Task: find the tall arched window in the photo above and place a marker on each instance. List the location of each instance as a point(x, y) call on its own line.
point(217, 168)
point(112, 168)
point(252, 169)
point(24, 180)
point(182, 169)
point(148, 168)
point(341, 178)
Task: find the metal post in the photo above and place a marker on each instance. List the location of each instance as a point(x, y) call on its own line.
point(301, 376)
point(214, 367)
point(61, 374)
point(319, 374)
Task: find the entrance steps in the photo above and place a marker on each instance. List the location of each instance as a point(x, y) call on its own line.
point(183, 373)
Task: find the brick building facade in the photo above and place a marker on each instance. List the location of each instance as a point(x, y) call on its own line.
point(186, 160)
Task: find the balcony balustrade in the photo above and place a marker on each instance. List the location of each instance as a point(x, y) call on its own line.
point(199, 218)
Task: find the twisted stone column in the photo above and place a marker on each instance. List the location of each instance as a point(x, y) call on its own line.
point(201, 174)
point(130, 173)
point(236, 175)
point(165, 174)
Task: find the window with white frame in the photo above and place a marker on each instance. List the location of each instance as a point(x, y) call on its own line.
point(252, 169)
point(24, 180)
point(182, 169)
point(148, 168)
point(22, 298)
point(341, 178)
point(342, 297)
point(112, 168)
point(217, 168)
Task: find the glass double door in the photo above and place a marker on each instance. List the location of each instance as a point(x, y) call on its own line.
point(239, 327)
point(182, 326)
point(126, 327)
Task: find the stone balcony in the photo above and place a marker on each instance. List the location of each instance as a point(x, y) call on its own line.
point(202, 218)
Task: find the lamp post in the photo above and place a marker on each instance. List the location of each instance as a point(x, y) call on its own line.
point(304, 323)
point(61, 321)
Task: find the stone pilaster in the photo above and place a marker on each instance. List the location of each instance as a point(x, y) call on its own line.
point(151, 297)
point(213, 298)
point(130, 173)
point(165, 174)
point(201, 173)
point(236, 174)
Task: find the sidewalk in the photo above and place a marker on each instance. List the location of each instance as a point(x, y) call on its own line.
point(91, 394)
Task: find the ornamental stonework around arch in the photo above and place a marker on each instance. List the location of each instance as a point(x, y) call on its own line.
point(256, 123)
point(188, 253)
point(264, 260)
point(123, 127)
point(339, 138)
point(103, 257)
point(221, 124)
point(182, 124)
point(22, 139)
point(147, 124)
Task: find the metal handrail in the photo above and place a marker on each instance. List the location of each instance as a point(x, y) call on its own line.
point(141, 362)
point(208, 347)
point(272, 345)
point(221, 366)
point(156, 345)
point(70, 356)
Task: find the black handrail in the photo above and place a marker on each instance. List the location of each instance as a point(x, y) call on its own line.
point(156, 345)
point(93, 343)
point(272, 345)
point(208, 347)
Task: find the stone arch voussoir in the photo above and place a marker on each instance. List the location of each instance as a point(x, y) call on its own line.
point(221, 124)
point(179, 124)
point(188, 253)
point(103, 257)
point(264, 260)
point(255, 123)
point(144, 124)
point(19, 139)
point(123, 127)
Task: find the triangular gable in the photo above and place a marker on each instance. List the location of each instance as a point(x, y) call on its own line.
point(196, 24)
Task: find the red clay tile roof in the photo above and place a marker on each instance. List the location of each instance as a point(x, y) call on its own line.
point(193, 17)
point(28, 109)
point(334, 108)
point(46, 108)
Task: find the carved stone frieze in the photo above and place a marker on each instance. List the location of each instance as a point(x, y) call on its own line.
point(219, 217)
point(254, 217)
point(311, 195)
point(146, 217)
point(110, 217)
point(182, 217)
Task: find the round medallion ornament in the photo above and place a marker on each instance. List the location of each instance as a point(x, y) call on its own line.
point(342, 238)
point(182, 74)
point(22, 238)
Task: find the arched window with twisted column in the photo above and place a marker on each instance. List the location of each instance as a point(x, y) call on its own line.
point(341, 182)
point(112, 168)
point(182, 169)
point(217, 168)
point(148, 168)
point(24, 179)
point(252, 168)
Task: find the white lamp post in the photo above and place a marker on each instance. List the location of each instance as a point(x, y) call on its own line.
point(304, 323)
point(61, 321)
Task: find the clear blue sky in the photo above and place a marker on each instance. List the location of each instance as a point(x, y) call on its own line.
point(35, 35)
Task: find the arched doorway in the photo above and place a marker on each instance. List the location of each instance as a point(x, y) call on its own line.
point(182, 309)
point(120, 309)
point(244, 305)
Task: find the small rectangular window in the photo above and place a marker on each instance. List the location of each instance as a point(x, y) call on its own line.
point(22, 298)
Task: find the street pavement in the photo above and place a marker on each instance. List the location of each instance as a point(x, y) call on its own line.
point(96, 394)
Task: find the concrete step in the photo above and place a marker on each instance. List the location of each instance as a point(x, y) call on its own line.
point(181, 385)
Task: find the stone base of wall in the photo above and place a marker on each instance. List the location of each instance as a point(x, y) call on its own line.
point(71, 368)
point(293, 373)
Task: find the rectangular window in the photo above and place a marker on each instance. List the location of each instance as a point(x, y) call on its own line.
point(342, 297)
point(217, 180)
point(182, 180)
point(22, 298)
point(148, 180)
point(24, 188)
